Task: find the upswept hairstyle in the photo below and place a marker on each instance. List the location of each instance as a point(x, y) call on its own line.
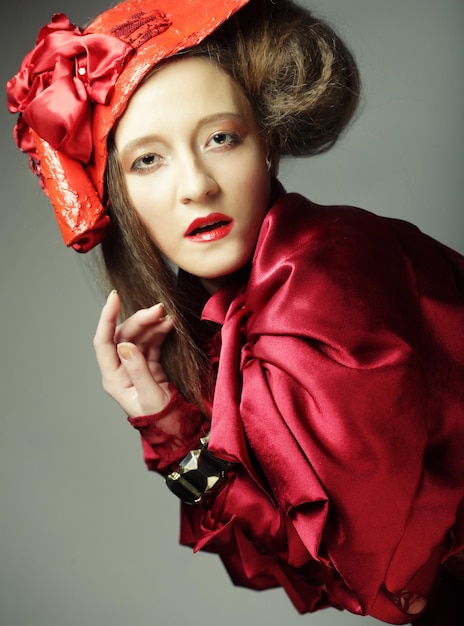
point(303, 84)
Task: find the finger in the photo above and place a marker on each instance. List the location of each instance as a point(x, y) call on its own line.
point(137, 324)
point(157, 336)
point(133, 358)
point(104, 344)
point(147, 332)
point(151, 389)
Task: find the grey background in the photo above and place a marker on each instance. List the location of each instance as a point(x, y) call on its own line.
point(87, 536)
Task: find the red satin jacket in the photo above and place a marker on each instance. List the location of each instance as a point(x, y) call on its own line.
point(340, 397)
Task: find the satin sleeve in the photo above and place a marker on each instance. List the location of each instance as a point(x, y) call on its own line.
point(350, 398)
point(169, 435)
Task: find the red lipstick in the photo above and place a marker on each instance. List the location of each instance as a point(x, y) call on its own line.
point(210, 228)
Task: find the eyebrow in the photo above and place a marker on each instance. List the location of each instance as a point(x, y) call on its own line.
point(209, 119)
point(218, 116)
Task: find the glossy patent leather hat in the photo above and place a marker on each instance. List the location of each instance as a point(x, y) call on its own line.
point(75, 84)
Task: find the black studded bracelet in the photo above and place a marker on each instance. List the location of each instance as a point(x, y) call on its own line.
point(198, 474)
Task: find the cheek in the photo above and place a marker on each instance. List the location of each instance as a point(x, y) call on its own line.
point(259, 186)
point(150, 211)
point(145, 201)
point(253, 179)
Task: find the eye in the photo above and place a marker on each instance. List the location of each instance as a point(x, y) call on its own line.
point(146, 162)
point(224, 139)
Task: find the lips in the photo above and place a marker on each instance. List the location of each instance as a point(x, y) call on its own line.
point(210, 228)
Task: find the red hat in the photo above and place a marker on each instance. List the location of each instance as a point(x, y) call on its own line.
point(75, 84)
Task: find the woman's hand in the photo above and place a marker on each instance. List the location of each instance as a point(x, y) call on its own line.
point(128, 355)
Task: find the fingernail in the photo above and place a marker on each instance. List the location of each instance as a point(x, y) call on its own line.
point(125, 351)
point(111, 293)
point(160, 307)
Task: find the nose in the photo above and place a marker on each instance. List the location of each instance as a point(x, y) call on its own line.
point(196, 182)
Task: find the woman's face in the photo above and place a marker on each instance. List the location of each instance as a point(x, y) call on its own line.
point(195, 167)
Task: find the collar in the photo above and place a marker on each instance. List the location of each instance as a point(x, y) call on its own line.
point(218, 305)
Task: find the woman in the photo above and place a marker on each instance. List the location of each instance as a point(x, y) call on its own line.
point(294, 370)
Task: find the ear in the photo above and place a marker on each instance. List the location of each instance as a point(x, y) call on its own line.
point(273, 161)
point(275, 164)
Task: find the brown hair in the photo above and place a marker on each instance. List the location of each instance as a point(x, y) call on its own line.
point(303, 83)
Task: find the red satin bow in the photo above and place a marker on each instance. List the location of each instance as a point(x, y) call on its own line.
point(57, 82)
